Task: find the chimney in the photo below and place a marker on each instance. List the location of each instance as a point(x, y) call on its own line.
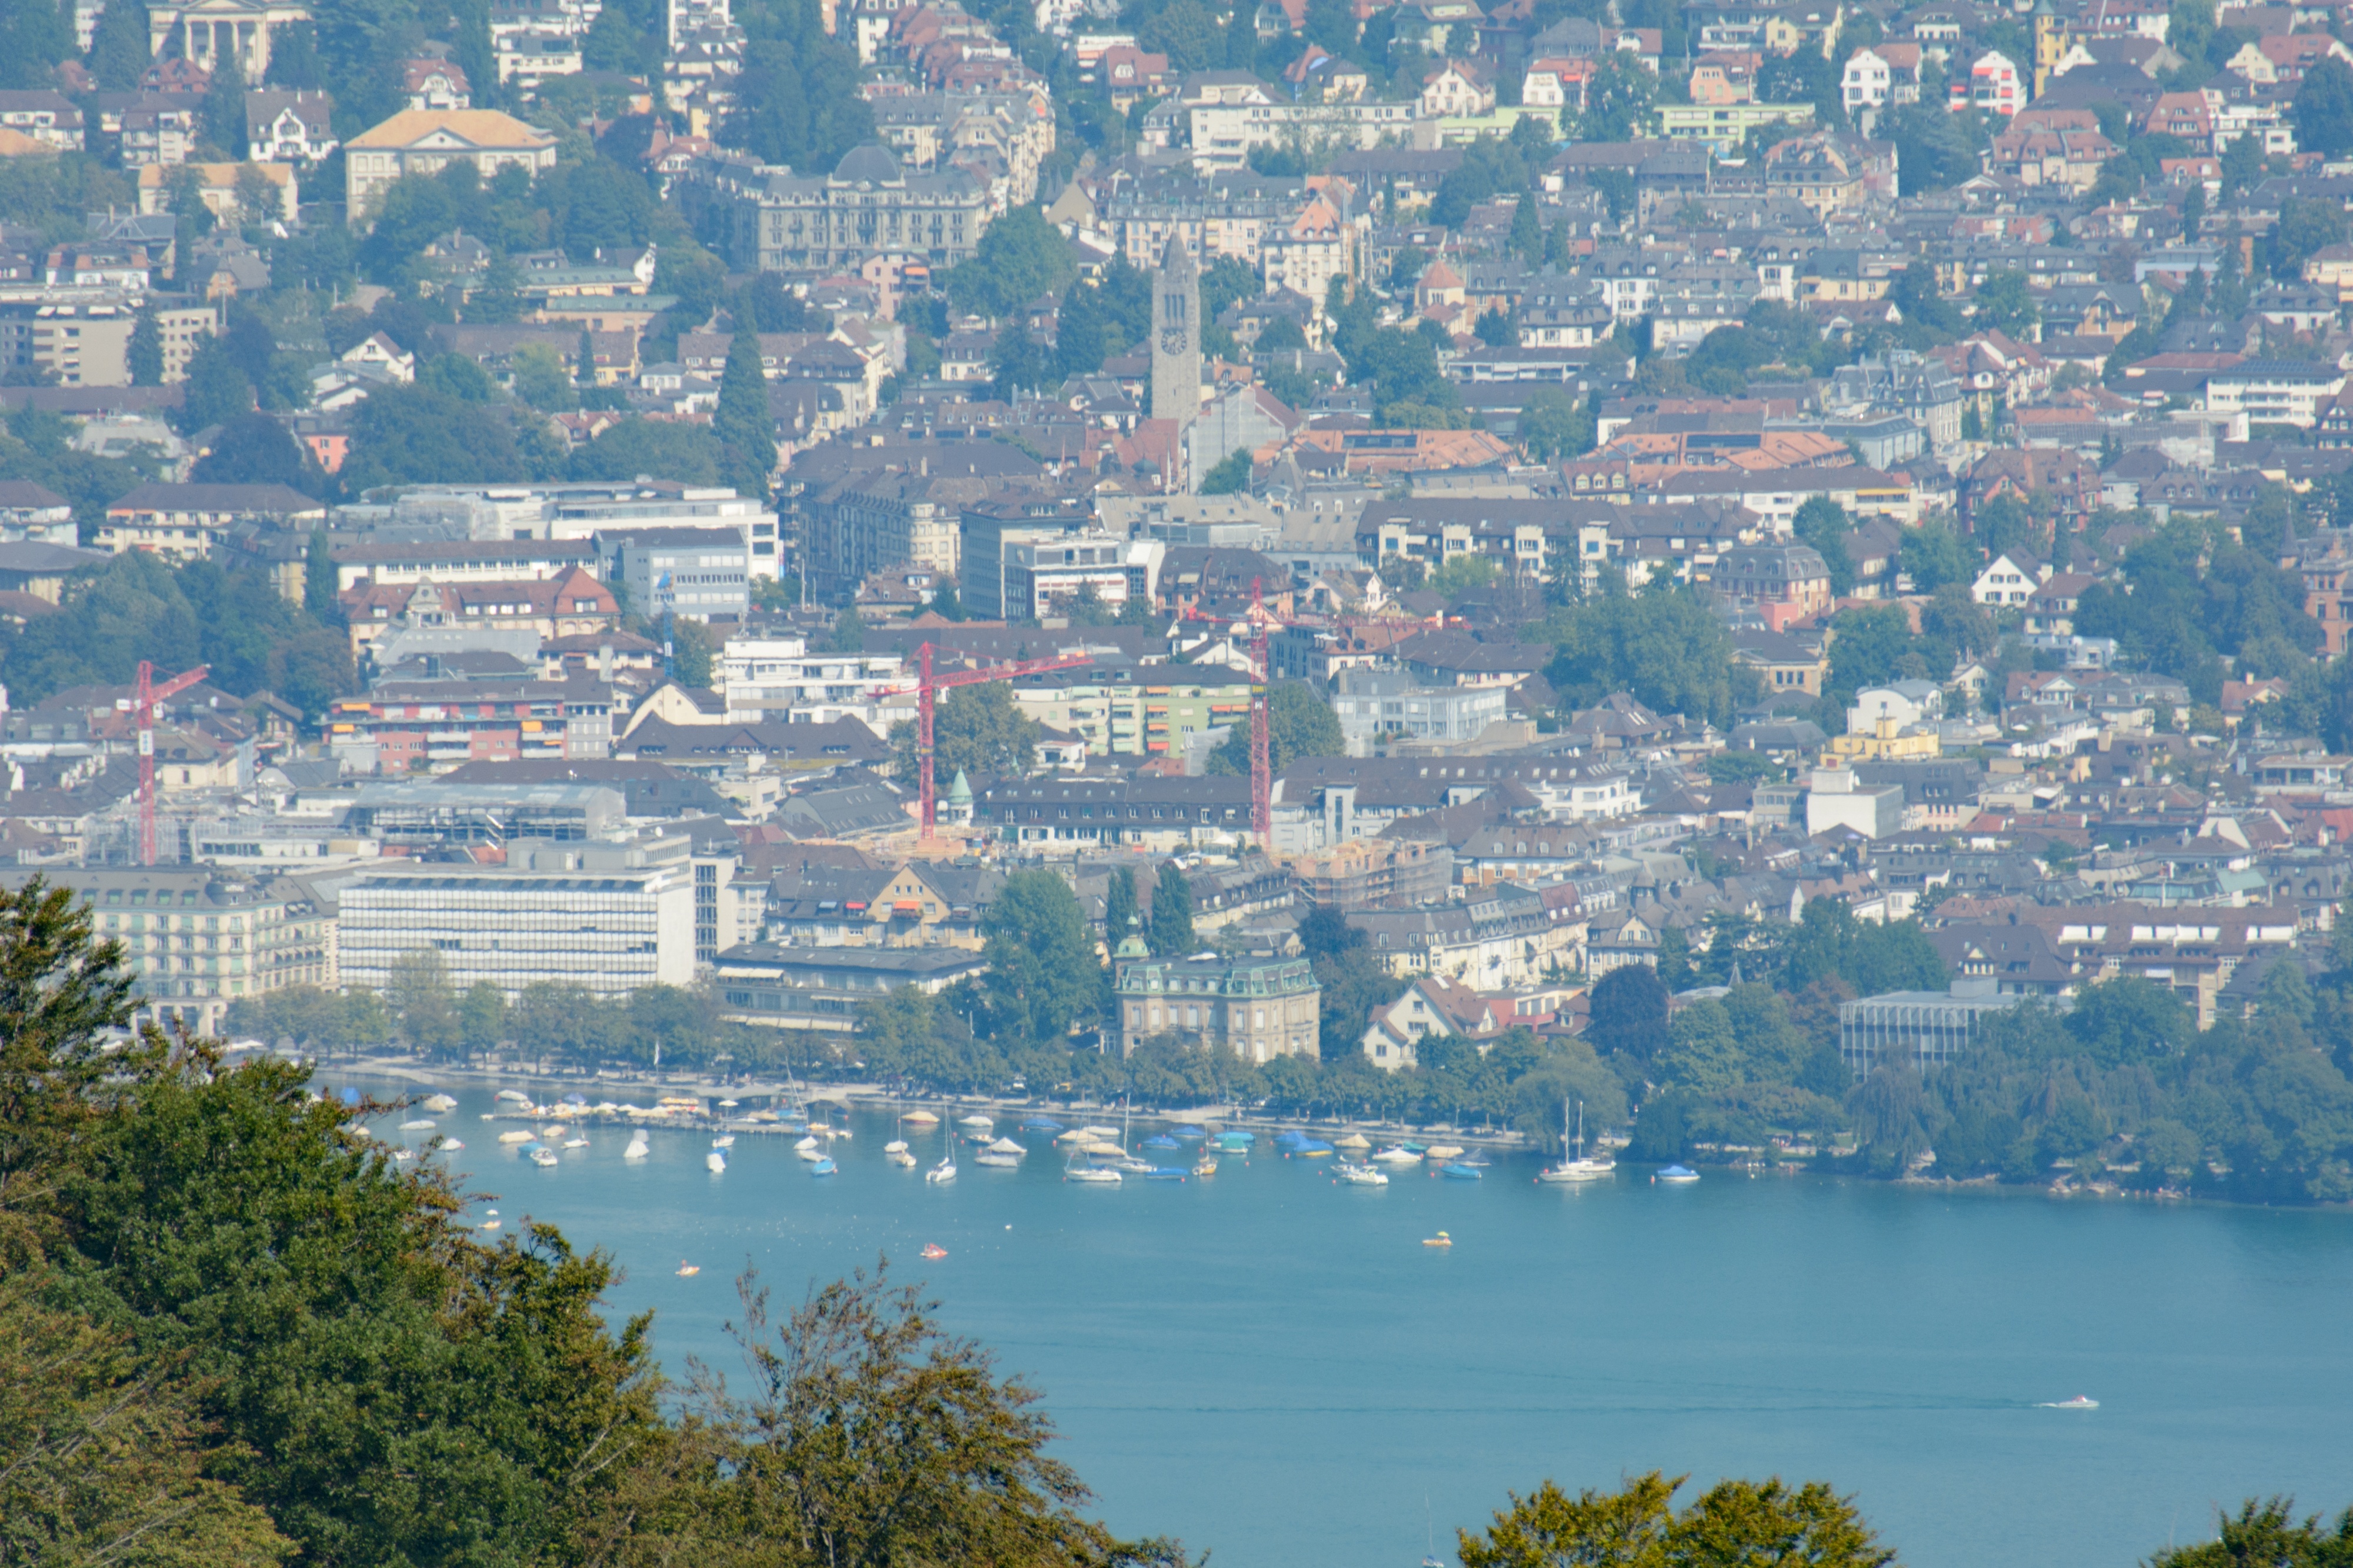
point(605, 663)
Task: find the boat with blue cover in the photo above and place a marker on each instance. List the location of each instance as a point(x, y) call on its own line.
point(1161, 1141)
point(1455, 1171)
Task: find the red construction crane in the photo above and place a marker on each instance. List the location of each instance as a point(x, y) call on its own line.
point(1261, 678)
point(144, 704)
point(927, 690)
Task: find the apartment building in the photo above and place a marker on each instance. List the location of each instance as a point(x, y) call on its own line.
point(1146, 711)
point(572, 605)
point(777, 679)
point(696, 573)
point(1259, 1007)
point(439, 720)
point(186, 521)
point(197, 938)
point(612, 917)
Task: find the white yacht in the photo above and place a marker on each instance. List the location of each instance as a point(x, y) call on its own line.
point(1579, 1169)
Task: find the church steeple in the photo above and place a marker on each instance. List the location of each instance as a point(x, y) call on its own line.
point(1176, 339)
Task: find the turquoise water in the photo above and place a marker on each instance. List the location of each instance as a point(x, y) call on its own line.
point(1273, 1367)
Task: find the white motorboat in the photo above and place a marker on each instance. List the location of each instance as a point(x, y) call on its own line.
point(1359, 1175)
point(638, 1148)
point(724, 1141)
point(902, 1157)
point(1092, 1175)
point(715, 1162)
point(896, 1146)
point(422, 1124)
point(575, 1142)
point(942, 1172)
point(544, 1156)
point(402, 1156)
point(2080, 1402)
point(448, 1145)
point(1579, 1169)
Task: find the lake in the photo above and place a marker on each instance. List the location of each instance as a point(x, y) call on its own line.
point(1273, 1367)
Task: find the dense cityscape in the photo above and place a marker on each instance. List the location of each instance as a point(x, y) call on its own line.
point(1761, 588)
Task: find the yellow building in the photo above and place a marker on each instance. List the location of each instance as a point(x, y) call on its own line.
point(1884, 745)
point(426, 140)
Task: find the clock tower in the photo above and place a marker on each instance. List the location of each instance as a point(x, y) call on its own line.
point(1176, 339)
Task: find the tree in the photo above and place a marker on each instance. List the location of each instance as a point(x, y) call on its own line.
point(978, 729)
point(1665, 646)
point(255, 450)
point(100, 1458)
point(35, 36)
point(118, 46)
point(146, 348)
point(539, 378)
point(1298, 725)
point(1636, 1526)
point(2265, 1533)
point(1554, 425)
point(2127, 1021)
point(414, 435)
point(224, 114)
point(849, 634)
point(1120, 920)
point(741, 421)
point(1824, 524)
point(2323, 109)
point(1933, 556)
point(216, 390)
point(482, 1017)
point(796, 98)
point(320, 579)
point(1617, 102)
point(1172, 913)
point(420, 999)
point(2006, 303)
point(692, 654)
point(2305, 225)
point(1628, 1016)
point(1229, 475)
point(1042, 972)
point(867, 1437)
point(1020, 258)
point(358, 1367)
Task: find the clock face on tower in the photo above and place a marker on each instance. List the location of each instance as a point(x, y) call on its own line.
point(1172, 341)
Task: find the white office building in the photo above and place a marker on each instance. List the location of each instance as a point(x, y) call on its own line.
point(613, 917)
point(571, 511)
point(1374, 706)
point(777, 679)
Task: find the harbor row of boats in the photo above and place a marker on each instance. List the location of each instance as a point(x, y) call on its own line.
point(1094, 1156)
